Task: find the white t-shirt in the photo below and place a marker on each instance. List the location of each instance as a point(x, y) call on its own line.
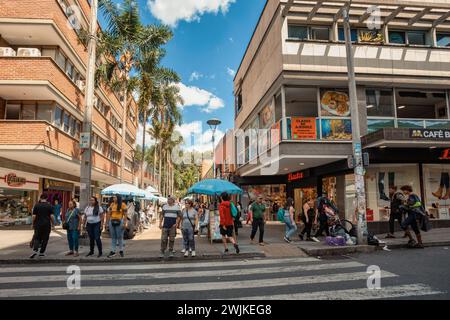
point(89, 212)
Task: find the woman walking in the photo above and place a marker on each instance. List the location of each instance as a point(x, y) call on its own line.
point(72, 224)
point(94, 218)
point(117, 222)
point(188, 226)
point(308, 216)
point(57, 211)
point(289, 220)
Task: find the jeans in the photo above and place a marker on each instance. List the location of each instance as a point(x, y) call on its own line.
point(188, 239)
point(40, 238)
point(258, 223)
point(290, 228)
point(411, 220)
point(58, 219)
point(116, 233)
point(72, 238)
point(394, 216)
point(93, 230)
point(168, 237)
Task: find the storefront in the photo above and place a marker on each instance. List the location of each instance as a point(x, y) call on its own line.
point(271, 193)
point(18, 193)
point(58, 190)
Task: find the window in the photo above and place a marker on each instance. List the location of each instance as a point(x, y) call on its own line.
point(66, 122)
point(443, 39)
point(380, 103)
point(58, 117)
point(69, 69)
point(73, 125)
point(397, 37)
point(128, 164)
point(61, 60)
point(13, 111)
point(44, 112)
point(417, 38)
point(297, 32)
point(320, 33)
point(353, 34)
point(28, 112)
point(238, 102)
point(78, 129)
point(419, 104)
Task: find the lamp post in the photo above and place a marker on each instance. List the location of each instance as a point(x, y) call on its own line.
point(86, 135)
point(213, 124)
point(360, 195)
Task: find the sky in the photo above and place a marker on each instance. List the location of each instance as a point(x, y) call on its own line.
point(210, 38)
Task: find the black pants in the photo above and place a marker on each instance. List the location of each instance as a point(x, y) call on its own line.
point(41, 236)
point(93, 230)
point(323, 226)
point(392, 218)
point(307, 228)
point(258, 223)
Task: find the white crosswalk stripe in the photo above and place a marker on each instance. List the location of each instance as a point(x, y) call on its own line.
point(259, 279)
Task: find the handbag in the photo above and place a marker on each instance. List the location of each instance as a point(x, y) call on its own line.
point(426, 224)
point(66, 225)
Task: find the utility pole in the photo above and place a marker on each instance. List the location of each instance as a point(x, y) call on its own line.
point(86, 139)
point(213, 124)
point(360, 195)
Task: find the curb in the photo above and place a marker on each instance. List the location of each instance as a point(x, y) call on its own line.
point(337, 251)
point(132, 260)
point(426, 245)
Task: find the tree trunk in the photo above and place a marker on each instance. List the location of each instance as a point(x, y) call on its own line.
point(124, 130)
point(143, 150)
point(160, 167)
point(154, 162)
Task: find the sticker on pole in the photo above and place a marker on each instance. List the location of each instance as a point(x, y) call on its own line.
point(85, 139)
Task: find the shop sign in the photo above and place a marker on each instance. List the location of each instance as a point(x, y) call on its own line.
point(434, 134)
point(296, 176)
point(303, 129)
point(14, 181)
point(445, 155)
point(57, 185)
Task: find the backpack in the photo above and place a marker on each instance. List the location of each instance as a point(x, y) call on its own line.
point(234, 211)
point(280, 215)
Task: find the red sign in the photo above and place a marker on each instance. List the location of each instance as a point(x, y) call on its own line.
point(14, 181)
point(295, 176)
point(369, 215)
point(303, 129)
point(445, 155)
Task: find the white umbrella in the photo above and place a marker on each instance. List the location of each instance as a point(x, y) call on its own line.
point(151, 189)
point(123, 190)
point(150, 196)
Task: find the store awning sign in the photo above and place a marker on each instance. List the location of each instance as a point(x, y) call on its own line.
point(429, 134)
point(296, 176)
point(12, 180)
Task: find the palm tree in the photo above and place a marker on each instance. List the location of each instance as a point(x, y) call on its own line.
point(122, 45)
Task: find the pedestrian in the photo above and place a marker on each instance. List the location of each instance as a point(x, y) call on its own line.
point(77, 202)
point(94, 219)
point(414, 210)
point(397, 199)
point(324, 205)
point(188, 228)
point(169, 222)
point(289, 220)
point(117, 222)
point(308, 216)
point(72, 225)
point(57, 211)
point(237, 219)
point(43, 222)
point(257, 211)
point(249, 212)
point(227, 223)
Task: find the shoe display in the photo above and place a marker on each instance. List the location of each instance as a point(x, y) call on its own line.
point(438, 193)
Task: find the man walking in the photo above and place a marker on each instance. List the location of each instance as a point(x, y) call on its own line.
point(227, 223)
point(258, 220)
point(397, 200)
point(43, 222)
point(169, 222)
point(324, 204)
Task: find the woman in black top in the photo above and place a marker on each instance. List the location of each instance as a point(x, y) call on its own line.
point(308, 219)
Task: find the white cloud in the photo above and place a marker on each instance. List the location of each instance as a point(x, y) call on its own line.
point(195, 76)
point(172, 11)
point(197, 139)
point(231, 72)
point(194, 96)
point(148, 139)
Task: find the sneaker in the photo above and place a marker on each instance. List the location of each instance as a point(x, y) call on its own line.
point(121, 254)
point(300, 236)
point(100, 255)
point(193, 253)
point(76, 254)
point(183, 250)
point(236, 247)
point(171, 254)
point(90, 254)
point(41, 255)
point(225, 251)
point(287, 240)
point(33, 255)
point(161, 255)
point(309, 239)
point(70, 253)
point(315, 239)
point(418, 246)
point(186, 253)
point(111, 254)
point(262, 244)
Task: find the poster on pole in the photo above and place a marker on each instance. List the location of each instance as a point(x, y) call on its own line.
point(214, 225)
point(85, 139)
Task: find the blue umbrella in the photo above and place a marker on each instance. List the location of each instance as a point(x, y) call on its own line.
point(213, 187)
point(123, 190)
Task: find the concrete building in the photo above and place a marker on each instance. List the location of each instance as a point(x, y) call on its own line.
point(42, 86)
point(292, 87)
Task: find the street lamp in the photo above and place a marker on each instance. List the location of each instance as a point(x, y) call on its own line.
point(213, 124)
point(356, 133)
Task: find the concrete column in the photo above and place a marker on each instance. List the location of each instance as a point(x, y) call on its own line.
point(340, 195)
point(283, 113)
point(362, 105)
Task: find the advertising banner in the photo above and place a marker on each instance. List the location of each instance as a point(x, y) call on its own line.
point(334, 103)
point(303, 128)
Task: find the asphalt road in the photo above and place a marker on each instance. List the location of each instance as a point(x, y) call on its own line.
point(405, 274)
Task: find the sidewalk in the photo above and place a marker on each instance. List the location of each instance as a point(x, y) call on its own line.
point(433, 238)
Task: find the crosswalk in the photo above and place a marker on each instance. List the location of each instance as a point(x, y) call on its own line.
point(255, 279)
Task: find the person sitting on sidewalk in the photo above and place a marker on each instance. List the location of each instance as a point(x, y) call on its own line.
point(168, 223)
point(227, 223)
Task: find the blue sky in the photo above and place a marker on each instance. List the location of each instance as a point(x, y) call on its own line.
point(210, 38)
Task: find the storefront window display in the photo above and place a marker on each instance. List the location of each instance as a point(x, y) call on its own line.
point(271, 194)
point(437, 190)
point(378, 180)
point(301, 195)
point(329, 188)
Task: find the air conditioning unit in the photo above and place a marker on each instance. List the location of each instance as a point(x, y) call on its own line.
point(7, 52)
point(81, 84)
point(28, 52)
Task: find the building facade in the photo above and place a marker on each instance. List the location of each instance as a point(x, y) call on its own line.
point(42, 85)
point(292, 104)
